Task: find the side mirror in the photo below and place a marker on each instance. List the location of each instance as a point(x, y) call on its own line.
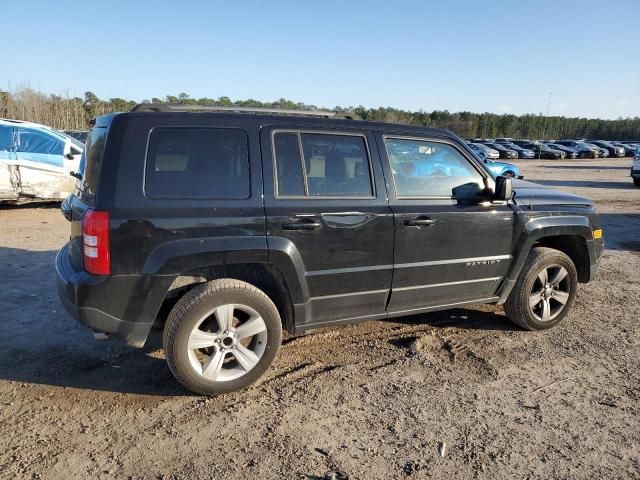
point(504, 188)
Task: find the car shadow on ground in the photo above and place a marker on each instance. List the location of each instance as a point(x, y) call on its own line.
point(41, 344)
point(586, 184)
point(33, 204)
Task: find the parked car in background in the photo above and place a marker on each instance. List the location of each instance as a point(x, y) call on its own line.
point(630, 149)
point(77, 134)
point(503, 140)
point(544, 151)
point(503, 151)
point(522, 152)
point(635, 169)
point(570, 152)
point(613, 150)
point(582, 149)
point(35, 162)
point(604, 153)
point(484, 151)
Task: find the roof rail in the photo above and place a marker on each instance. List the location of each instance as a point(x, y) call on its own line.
point(167, 107)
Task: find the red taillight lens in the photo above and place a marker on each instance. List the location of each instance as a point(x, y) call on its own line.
point(95, 242)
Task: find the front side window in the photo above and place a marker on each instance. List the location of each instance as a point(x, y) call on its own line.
point(431, 169)
point(322, 165)
point(197, 163)
point(32, 141)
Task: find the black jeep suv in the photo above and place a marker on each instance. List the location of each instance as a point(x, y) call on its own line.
point(231, 225)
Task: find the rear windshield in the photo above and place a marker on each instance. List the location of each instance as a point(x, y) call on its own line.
point(91, 159)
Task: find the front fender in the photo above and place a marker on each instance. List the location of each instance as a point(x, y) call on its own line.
point(533, 230)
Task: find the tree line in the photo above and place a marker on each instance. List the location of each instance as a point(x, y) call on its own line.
point(74, 113)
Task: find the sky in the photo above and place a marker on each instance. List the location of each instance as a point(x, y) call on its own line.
point(478, 56)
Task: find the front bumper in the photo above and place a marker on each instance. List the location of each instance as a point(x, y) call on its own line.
point(123, 306)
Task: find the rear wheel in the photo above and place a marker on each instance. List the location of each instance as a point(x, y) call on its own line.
point(636, 181)
point(544, 291)
point(221, 336)
point(582, 155)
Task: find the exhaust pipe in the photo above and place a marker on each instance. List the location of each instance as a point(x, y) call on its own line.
point(100, 336)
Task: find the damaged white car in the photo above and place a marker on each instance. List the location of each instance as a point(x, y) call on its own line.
point(36, 162)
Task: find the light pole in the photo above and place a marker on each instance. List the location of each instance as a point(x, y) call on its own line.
point(544, 123)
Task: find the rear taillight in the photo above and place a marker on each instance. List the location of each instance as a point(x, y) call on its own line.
point(95, 242)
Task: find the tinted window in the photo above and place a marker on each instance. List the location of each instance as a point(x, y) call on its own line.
point(334, 165)
point(422, 168)
point(91, 160)
point(289, 164)
point(32, 141)
point(6, 139)
point(197, 163)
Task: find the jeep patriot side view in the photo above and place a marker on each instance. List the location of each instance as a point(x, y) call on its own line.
point(229, 225)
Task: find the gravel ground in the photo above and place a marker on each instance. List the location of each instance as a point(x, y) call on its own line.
point(456, 394)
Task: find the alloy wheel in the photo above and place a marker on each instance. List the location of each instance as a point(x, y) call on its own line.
point(550, 293)
point(227, 342)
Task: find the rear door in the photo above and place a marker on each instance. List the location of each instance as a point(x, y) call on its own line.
point(450, 247)
point(326, 206)
point(8, 169)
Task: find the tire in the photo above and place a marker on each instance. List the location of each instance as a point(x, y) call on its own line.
point(556, 300)
point(216, 315)
point(582, 155)
point(508, 173)
point(636, 181)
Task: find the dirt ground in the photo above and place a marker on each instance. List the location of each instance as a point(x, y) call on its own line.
point(455, 394)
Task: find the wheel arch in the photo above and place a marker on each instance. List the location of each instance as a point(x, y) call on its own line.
point(571, 235)
point(264, 276)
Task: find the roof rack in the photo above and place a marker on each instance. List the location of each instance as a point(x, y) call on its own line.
point(167, 107)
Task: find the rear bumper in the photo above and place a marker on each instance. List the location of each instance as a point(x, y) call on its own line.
point(122, 306)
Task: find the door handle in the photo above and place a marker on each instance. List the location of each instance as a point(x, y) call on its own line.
point(303, 224)
point(419, 222)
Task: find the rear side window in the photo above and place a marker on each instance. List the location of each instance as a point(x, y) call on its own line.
point(197, 163)
point(322, 165)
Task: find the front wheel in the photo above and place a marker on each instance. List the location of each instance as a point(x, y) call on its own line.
point(544, 291)
point(221, 336)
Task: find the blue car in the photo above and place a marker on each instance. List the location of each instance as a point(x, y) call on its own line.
point(502, 168)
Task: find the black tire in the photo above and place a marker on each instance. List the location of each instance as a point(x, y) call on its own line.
point(582, 155)
point(508, 173)
point(517, 304)
point(191, 308)
point(636, 181)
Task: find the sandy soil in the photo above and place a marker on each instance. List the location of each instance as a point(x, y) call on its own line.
point(461, 393)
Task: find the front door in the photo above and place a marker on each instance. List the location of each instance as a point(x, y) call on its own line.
point(452, 246)
point(326, 208)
